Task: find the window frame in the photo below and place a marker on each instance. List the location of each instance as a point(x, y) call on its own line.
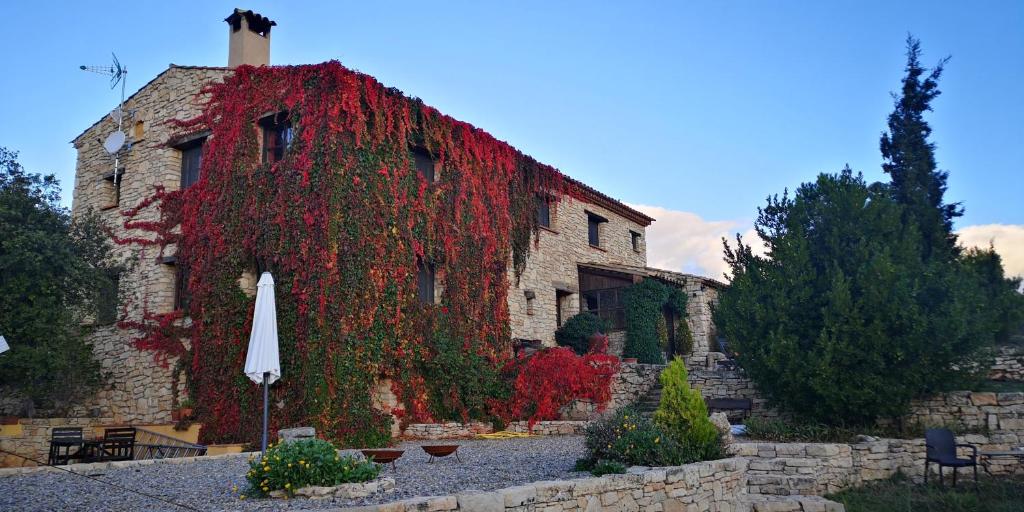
point(197, 145)
point(276, 124)
point(594, 229)
point(635, 238)
point(426, 272)
point(418, 155)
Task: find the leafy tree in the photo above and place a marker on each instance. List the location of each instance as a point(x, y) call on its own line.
point(50, 272)
point(909, 158)
point(1004, 302)
point(575, 333)
point(843, 321)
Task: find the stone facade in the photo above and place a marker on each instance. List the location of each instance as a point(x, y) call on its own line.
point(551, 275)
point(1009, 365)
point(631, 383)
point(139, 388)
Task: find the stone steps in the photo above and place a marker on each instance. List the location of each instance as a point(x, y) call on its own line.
point(648, 403)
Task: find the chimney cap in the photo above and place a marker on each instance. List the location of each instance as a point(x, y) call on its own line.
point(256, 22)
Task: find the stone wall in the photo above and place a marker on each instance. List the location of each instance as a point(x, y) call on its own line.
point(139, 388)
point(33, 440)
point(972, 410)
point(823, 468)
point(455, 430)
point(1009, 365)
point(704, 486)
point(630, 384)
point(722, 383)
point(552, 266)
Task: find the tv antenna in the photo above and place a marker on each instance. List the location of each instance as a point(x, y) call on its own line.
point(116, 140)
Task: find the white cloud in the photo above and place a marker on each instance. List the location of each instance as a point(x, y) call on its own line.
point(1008, 240)
point(685, 242)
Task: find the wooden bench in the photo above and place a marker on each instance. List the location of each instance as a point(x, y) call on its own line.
point(727, 405)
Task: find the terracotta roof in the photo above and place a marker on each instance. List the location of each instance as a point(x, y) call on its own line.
point(665, 275)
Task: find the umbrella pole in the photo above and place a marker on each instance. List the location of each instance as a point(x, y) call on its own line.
point(266, 411)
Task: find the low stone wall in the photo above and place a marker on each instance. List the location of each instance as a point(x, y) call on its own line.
point(1009, 365)
point(823, 468)
point(33, 440)
point(973, 410)
point(718, 485)
point(453, 430)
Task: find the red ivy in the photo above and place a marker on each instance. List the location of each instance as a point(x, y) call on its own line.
point(552, 378)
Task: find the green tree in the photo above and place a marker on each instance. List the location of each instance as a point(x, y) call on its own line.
point(683, 415)
point(51, 271)
point(575, 333)
point(842, 321)
point(1005, 301)
point(909, 158)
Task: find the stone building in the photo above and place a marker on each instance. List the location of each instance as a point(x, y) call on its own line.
point(588, 248)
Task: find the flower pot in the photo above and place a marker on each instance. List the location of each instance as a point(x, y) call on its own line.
point(185, 412)
point(629, 360)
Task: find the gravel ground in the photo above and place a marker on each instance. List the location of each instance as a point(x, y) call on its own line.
point(207, 485)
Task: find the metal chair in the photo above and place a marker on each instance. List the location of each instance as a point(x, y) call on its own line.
point(940, 448)
point(65, 445)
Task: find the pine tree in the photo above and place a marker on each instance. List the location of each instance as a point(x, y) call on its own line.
point(909, 158)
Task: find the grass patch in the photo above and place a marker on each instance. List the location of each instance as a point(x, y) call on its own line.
point(899, 494)
point(779, 431)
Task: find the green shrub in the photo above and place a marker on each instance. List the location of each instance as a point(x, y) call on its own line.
point(297, 464)
point(629, 438)
point(684, 416)
point(575, 333)
point(607, 467)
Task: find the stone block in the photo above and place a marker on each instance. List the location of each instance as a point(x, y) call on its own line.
point(296, 434)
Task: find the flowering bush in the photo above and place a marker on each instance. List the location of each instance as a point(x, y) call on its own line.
point(298, 464)
point(548, 380)
point(632, 440)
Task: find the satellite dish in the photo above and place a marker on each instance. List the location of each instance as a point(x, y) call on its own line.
point(117, 115)
point(114, 142)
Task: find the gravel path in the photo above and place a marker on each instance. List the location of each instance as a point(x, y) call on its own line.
point(207, 485)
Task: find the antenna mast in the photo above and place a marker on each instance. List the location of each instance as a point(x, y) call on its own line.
point(114, 142)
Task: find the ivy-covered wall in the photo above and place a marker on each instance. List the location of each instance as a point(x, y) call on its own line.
point(342, 221)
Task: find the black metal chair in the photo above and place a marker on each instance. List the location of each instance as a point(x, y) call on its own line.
point(65, 445)
point(941, 447)
point(117, 444)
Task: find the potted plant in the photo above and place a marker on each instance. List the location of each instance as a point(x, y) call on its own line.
point(183, 411)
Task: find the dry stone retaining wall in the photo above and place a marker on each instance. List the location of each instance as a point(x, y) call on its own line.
point(453, 430)
point(973, 410)
point(1009, 365)
point(823, 468)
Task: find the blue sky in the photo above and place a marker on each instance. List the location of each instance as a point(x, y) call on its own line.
point(696, 107)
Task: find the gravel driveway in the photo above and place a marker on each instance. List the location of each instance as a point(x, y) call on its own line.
point(207, 485)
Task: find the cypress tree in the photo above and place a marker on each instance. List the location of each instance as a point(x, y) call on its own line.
point(909, 158)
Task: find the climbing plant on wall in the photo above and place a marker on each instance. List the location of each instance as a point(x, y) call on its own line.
point(646, 330)
point(344, 220)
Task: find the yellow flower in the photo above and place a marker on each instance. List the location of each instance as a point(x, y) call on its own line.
point(289, 464)
point(266, 468)
point(656, 439)
point(287, 486)
point(302, 462)
point(242, 497)
point(265, 489)
point(234, 488)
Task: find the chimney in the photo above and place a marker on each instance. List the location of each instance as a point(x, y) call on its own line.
point(248, 39)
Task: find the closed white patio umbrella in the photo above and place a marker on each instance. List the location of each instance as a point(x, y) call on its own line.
point(262, 363)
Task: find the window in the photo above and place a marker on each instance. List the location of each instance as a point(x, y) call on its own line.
point(425, 282)
point(115, 180)
point(106, 303)
point(594, 228)
point(139, 131)
point(602, 295)
point(182, 295)
point(635, 240)
point(543, 211)
point(191, 159)
point(424, 164)
point(277, 137)
point(531, 298)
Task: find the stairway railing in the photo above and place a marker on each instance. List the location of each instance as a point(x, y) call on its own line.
point(154, 445)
